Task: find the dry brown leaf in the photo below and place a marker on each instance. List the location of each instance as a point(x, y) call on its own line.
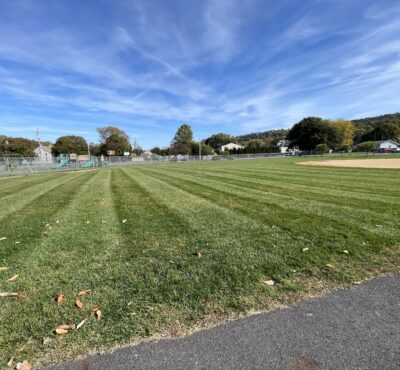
point(82, 293)
point(13, 278)
point(67, 326)
point(8, 294)
point(61, 331)
point(99, 314)
point(26, 366)
point(3, 268)
point(330, 266)
point(94, 308)
point(269, 282)
point(78, 304)
point(80, 324)
point(60, 298)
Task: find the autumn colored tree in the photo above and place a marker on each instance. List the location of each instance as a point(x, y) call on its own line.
point(345, 130)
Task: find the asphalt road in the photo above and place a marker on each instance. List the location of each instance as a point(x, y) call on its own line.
point(356, 328)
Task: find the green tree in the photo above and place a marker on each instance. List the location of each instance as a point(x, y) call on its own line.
point(312, 131)
point(367, 147)
point(70, 144)
point(106, 132)
point(385, 131)
point(205, 149)
point(181, 143)
point(118, 143)
point(321, 148)
point(17, 146)
point(217, 140)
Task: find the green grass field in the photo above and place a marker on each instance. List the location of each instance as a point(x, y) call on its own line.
point(199, 240)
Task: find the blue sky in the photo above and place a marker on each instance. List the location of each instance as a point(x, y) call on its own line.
point(236, 66)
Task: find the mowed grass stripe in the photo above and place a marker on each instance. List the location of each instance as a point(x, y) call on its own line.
point(21, 183)
point(381, 204)
point(18, 200)
point(303, 175)
point(75, 255)
point(28, 223)
point(290, 208)
point(308, 181)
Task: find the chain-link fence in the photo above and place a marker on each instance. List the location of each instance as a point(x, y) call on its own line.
point(10, 166)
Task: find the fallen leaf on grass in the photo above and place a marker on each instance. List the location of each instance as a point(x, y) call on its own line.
point(67, 326)
point(357, 283)
point(269, 282)
point(8, 294)
point(3, 269)
point(99, 314)
point(57, 222)
point(94, 308)
point(80, 324)
point(346, 251)
point(60, 298)
point(78, 304)
point(133, 313)
point(103, 221)
point(130, 303)
point(124, 221)
point(24, 366)
point(82, 293)
point(330, 266)
point(88, 222)
point(197, 254)
point(305, 249)
point(61, 331)
point(13, 278)
point(3, 238)
point(17, 242)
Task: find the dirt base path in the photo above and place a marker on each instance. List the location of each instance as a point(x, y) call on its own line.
point(364, 163)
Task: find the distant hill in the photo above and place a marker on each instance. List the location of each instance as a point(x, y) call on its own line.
point(375, 121)
point(269, 137)
point(362, 126)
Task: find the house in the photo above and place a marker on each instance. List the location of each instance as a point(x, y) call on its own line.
point(387, 146)
point(44, 154)
point(283, 146)
point(230, 146)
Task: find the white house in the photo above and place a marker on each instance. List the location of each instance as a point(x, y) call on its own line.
point(387, 146)
point(230, 146)
point(283, 145)
point(44, 154)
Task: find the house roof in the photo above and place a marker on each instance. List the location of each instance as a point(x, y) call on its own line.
point(47, 148)
point(384, 141)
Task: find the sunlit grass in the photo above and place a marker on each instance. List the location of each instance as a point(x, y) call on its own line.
point(198, 241)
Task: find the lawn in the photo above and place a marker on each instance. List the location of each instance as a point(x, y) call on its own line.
point(167, 248)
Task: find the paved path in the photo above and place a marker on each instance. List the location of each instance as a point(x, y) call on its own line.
point(357, 328)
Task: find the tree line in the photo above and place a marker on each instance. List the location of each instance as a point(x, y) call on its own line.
point(311, 133)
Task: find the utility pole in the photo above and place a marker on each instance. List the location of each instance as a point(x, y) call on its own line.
point(200, 150)
point(88, 149)
point(40, 146)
